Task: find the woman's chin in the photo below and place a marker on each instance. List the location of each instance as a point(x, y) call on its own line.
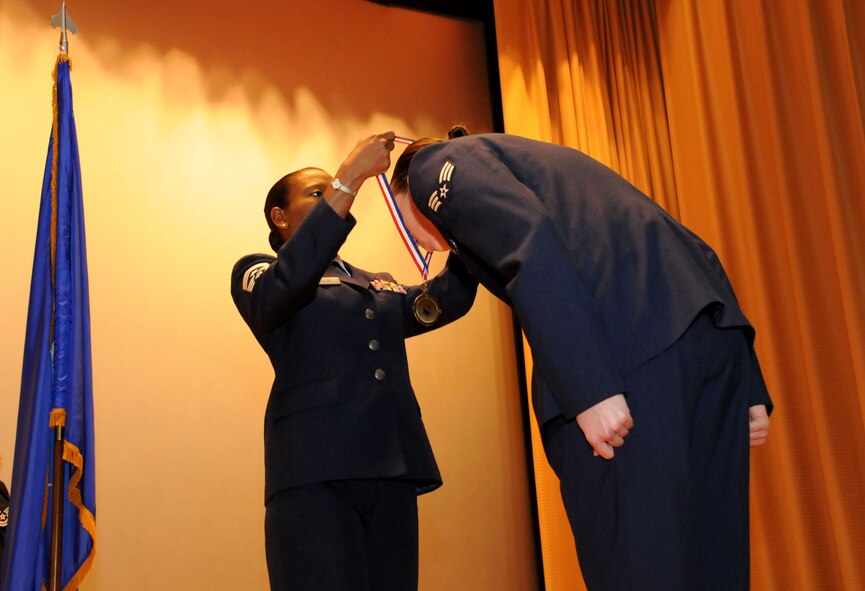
point(433, 246)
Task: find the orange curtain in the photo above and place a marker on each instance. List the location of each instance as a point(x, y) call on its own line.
point(743, 118)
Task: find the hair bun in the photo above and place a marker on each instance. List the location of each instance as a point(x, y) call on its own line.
point(457, 131)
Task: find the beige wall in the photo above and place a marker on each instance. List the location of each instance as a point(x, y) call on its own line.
point(186, 113)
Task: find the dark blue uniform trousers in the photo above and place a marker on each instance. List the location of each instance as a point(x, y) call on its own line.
point(351, 535)
point(670, 510)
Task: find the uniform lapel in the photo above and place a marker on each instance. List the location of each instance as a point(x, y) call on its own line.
point(358, 279)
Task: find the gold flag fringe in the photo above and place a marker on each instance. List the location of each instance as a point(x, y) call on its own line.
point(72, 455)
point(55, 140)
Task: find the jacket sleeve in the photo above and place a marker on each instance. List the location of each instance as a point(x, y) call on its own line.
point(495, 218)
point(455, 290)
point(268, 292)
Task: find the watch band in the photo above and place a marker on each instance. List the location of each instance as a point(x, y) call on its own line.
point(337, 184)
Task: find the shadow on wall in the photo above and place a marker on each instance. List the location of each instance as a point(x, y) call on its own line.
point(323, 46)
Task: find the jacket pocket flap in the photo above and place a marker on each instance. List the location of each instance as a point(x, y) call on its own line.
point(304, 396)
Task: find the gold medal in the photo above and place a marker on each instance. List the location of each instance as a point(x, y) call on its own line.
point(426, 308)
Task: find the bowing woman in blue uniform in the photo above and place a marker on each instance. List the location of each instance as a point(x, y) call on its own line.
point(646, 385)
point(346, 453)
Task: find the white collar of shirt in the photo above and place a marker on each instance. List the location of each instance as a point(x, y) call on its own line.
point(340, 265)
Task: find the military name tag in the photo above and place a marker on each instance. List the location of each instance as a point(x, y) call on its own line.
point(426, 309)
point(329, 281)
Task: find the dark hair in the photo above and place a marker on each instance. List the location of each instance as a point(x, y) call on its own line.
point(278, 197)
point(399, 180)
point(457, 131)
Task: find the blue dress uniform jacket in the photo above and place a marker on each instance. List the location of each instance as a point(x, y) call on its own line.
point(614, 296)
point(341, 406)
point(601, 278)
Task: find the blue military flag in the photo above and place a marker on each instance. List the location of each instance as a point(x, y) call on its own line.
point(56, 385)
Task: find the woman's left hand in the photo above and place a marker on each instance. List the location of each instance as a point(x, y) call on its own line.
point(759, 423)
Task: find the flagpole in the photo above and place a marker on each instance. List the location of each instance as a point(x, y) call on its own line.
point(57, 493)
point(58, 490)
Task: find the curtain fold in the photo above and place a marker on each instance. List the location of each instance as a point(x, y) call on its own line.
point(746, 120)
point(587, 75)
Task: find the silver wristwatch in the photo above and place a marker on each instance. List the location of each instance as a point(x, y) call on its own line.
point(337, 184)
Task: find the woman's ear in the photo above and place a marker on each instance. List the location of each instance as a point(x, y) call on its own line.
point(277, 216)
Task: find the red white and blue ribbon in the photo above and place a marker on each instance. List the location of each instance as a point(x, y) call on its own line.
point(420, 260)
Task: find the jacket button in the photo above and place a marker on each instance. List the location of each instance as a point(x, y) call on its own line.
point(369, 313)
point(379, 374)
point(373, 345)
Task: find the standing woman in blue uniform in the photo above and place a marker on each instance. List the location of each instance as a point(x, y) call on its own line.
point(646, 385)
point(346, 453)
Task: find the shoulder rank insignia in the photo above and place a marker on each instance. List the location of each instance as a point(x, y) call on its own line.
point(385, 285)
point(252, 274)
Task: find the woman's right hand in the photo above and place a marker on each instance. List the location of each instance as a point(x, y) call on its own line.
point(369, 158)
